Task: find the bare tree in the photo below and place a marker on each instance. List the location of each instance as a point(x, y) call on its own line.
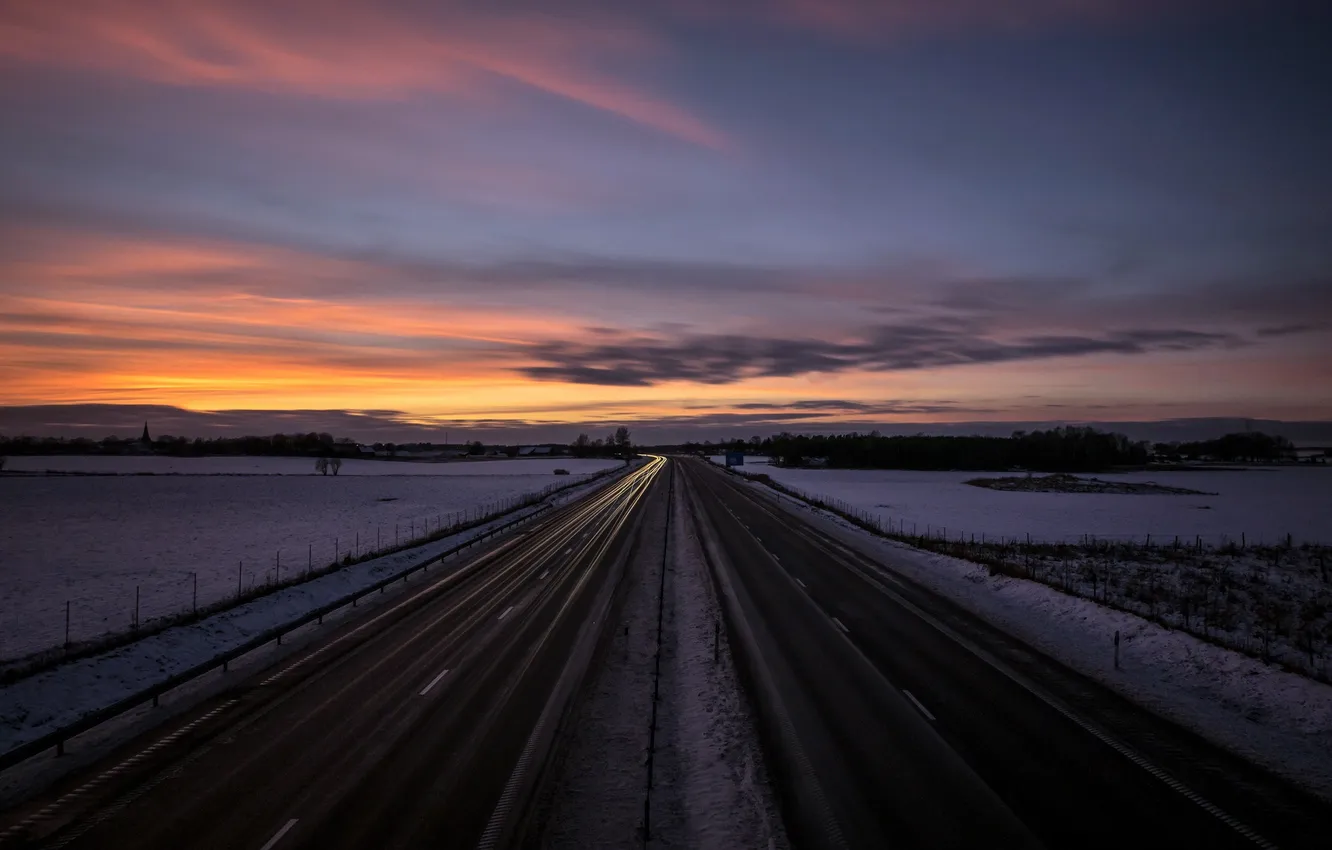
point(622, 438)
point(335, 464)
point(321, 465)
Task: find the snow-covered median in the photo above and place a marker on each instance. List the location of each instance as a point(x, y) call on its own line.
point(1277, 719)
point(43, 703)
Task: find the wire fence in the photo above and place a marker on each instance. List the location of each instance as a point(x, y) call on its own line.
point(1270, 600)
point(103, 614)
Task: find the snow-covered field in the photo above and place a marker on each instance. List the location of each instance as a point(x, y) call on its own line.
point(1278, 719)
point(41, 703)
point(91, 540)
point(1262, 504)
point(135, 465)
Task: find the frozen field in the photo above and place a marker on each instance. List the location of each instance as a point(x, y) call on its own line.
point(133, 465)
point(1263, 504)
point(91, 540)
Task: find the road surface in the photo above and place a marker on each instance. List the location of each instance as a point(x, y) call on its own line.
point(915, 725)
point(418, 726)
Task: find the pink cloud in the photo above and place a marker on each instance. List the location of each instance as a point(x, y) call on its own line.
point(346, 50)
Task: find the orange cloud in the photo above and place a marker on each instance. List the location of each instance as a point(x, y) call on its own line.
point(343, 50)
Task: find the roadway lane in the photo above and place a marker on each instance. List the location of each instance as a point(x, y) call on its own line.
point(824, 612)
point(399, 731)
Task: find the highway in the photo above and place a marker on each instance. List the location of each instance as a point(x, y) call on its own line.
point(890, 717)
point(424, 723)
point(895, 719)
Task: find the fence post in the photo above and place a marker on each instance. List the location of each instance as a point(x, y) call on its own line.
point(309, 557)
point(66, 624)
point(195, 577)
point(335, 551)
point(136, 607)
point(239, 566)
point(277, 569)
point(1116, 649)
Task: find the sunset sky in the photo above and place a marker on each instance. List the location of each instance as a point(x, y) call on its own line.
point(786, 214)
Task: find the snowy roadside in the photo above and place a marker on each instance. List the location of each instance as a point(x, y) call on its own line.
point(713, 788)
point(710, 786)
point(40, 704)
point(1280, 720)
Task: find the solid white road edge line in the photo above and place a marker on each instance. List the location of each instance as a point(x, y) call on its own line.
point(433, 682)
point(923, 710)
point(802, 584)
point(841, 625)
point(281, 832)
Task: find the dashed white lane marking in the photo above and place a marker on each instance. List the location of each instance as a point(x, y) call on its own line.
point(506, 612)
point(433, 682)
point(802, 584)
point(543, 575)
point(1104, 737)
point(286, 827)
point(569, 551)
point(923, 710)
point(51, 808)
point(841, 625)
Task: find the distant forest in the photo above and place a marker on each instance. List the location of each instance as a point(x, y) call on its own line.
point(313, 445)
point(1069, 449)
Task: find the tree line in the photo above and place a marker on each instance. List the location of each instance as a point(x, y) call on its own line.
point(1250, 446)
point(1067, 449)
point(616, 444)
point(311, 444)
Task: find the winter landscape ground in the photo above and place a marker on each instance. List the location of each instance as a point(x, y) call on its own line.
point(1265, 593)
point(235, 523)
point(1272, 714)
point(1263, 505)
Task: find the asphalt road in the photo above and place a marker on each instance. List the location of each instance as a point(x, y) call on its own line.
point(909, 727)
point(403, 729)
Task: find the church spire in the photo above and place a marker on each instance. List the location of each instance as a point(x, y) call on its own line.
point(145, 438)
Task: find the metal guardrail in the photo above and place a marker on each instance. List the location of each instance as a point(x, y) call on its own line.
point(57, 738)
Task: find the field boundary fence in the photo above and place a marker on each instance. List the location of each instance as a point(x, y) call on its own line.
point(1271, 601)
point(57, 739)
point(66, 633)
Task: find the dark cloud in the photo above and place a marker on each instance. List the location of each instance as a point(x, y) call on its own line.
point(725, 358)
point(1290, 330)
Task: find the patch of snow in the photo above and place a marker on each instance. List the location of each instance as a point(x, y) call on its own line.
point(713, 789)
point(1277, 719)
point(710, 787)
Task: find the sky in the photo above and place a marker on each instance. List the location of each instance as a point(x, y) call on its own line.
point(779, 215)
